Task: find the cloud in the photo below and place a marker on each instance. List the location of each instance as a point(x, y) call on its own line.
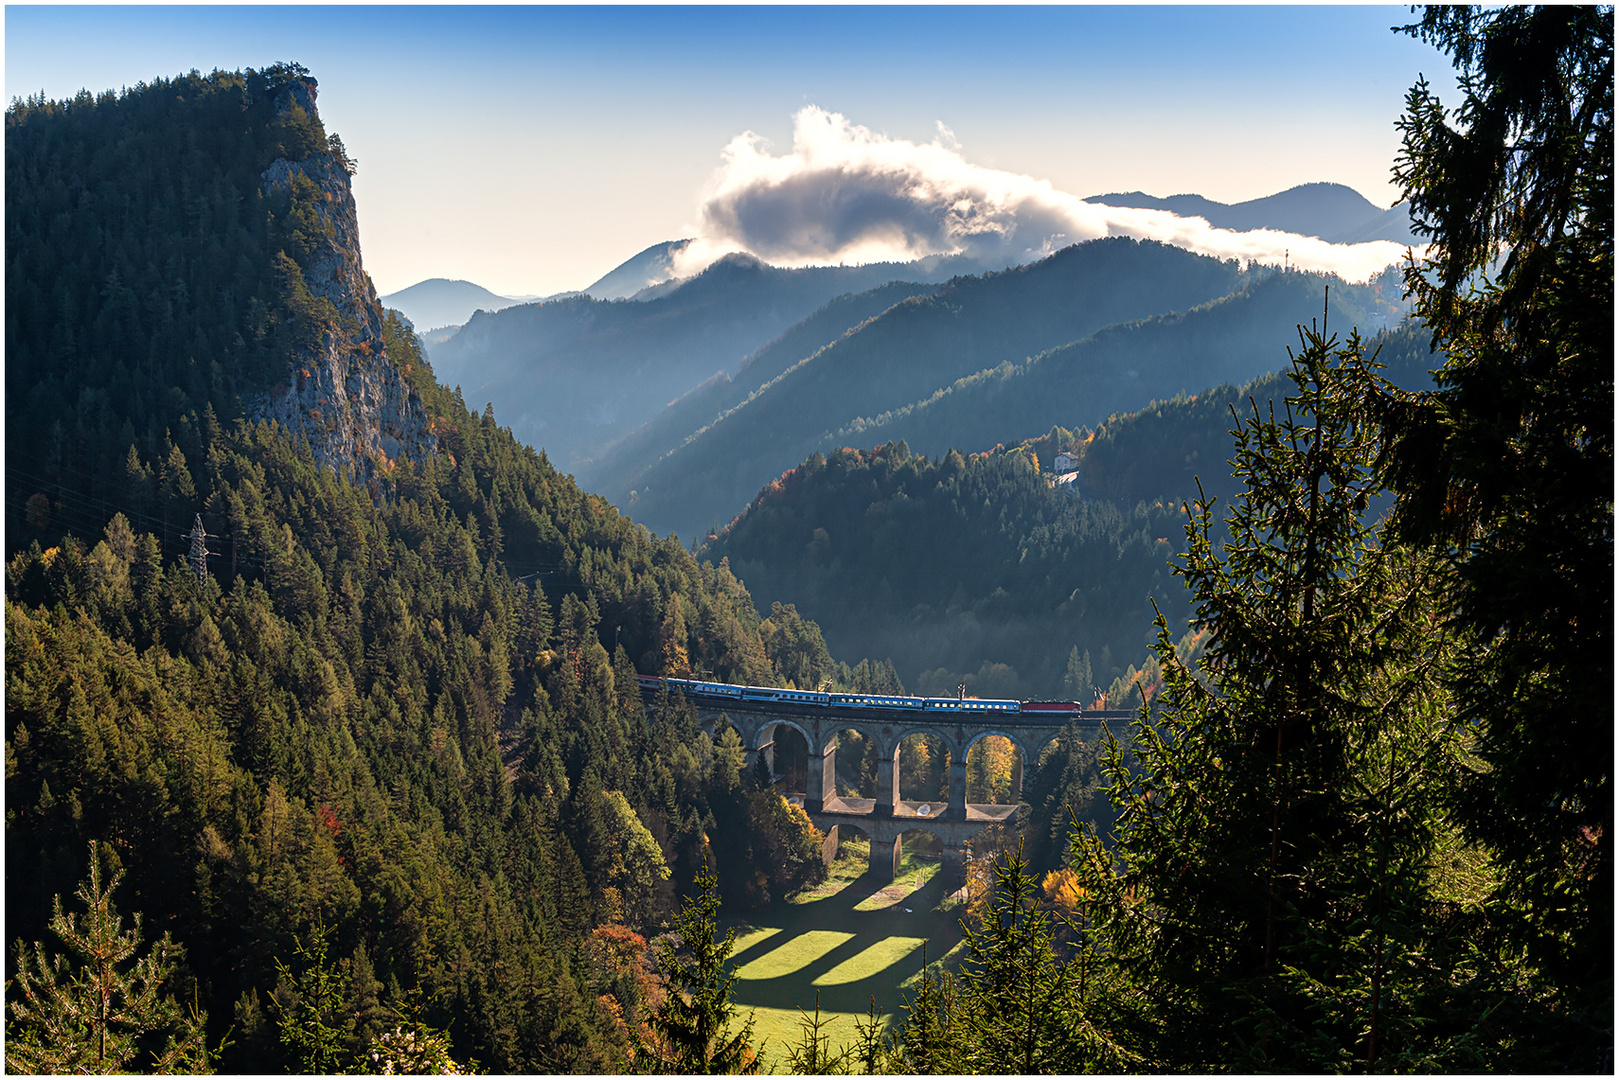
point(846, 194)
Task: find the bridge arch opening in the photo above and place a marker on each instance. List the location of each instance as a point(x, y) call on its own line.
point(790, 749)
point(918, 856)
point(847, 841)
point(924, 768)
point(995, 770)
point(856, 760)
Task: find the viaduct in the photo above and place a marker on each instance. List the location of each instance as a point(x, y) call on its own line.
point(885, 818)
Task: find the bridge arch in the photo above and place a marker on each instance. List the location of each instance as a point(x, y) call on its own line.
point(942, 732)
point(842, 833)
point(832, 726)
point(924, 842)
point(788, 762)
point(922, 759)
point(978, 735)
point(854, 752)
point(1019, 768)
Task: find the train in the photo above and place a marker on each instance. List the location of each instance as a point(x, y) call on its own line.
point(1033, 710)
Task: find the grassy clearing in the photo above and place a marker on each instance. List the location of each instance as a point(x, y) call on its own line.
point(873, 961)
point(936, 964)
point(774, 1030)
point(914, 873)
point(749, 936)
point(850, 939)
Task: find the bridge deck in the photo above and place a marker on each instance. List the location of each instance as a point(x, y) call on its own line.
point(869, 714)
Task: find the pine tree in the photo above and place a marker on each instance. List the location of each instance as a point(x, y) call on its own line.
point(93, 1015)
point(1014, 991)
point(813, 1055)
point(1275, 837)
point(1077, 680)
point(692, 1027)
point(929, 1042)
point(1507, 468)
point(309, 1010)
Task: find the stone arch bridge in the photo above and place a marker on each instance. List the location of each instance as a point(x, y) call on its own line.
point(885, 818)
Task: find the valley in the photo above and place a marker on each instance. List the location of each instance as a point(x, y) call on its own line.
point(1056, 630)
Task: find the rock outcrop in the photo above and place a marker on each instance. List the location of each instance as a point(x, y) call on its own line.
point(346, 395)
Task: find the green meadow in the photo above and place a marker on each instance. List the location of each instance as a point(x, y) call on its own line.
point(851, 939)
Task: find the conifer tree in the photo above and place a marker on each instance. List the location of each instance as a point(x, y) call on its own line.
point(92, 1014)
point(1077, 679)
point(1267, 899)
point(813, 1055)
point(1014, 990)
point(930, 1039)
point(1507, 468)
point(309, 1010)
point(693, 1025)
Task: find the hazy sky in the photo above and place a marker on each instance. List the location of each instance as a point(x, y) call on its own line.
point(531, 150)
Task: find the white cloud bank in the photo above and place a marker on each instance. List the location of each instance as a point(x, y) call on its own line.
point(846, 194)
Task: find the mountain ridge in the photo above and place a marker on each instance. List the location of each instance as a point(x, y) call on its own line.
point(1332, 212)
point(575, 374)
point(908, 352)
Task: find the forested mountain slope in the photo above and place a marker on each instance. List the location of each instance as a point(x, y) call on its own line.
point(166, 264)
point(1121, 367)
point(573, 374)
point(617, 465)
point(974, 566)
point(1161, 452)
point(994, 358)
point(910, 351)
point(400, 714)
point(969, 565)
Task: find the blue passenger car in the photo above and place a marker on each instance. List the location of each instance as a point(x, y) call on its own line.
point(875, 701)
point(978, 705)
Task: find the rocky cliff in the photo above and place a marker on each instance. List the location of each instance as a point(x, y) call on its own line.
point(345, 394)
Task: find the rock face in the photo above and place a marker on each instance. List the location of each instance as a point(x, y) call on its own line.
point(346, 396)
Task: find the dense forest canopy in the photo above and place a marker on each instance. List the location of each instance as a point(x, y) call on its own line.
point(939, 562)
point(369, 757)
point(399, 718)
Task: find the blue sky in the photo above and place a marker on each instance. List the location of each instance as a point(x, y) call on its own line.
point(533, 149)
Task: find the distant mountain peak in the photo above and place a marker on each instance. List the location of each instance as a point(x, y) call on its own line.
point(1332, 212)
point(439, 302)
point(652, 266)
